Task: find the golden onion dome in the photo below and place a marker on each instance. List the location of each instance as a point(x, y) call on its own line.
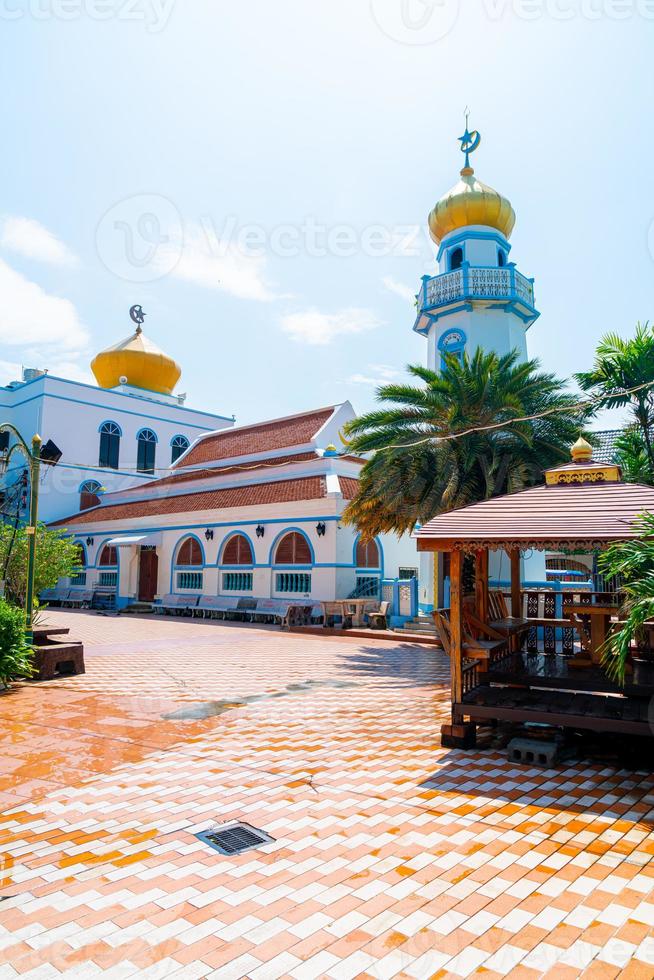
point(470, 202)
point(136, 361)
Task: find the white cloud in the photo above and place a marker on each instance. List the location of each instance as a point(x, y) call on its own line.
point(207, 261)
point(34, 241)
point(29, 315)
point(381, 374)
point(70, 369)
point(399, 288)
point(320, 329)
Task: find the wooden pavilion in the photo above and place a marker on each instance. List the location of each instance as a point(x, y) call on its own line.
point(582, 507)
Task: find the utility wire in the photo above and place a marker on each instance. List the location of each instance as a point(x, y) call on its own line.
point(505, 423)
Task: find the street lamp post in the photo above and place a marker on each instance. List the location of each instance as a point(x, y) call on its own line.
point(33, 457)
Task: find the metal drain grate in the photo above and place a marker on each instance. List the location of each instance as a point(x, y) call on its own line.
point(234, 838)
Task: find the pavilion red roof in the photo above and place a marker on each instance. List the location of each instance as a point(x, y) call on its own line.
point(586, 516)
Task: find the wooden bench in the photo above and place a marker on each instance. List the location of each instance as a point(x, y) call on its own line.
point(486, 652)
point(63, 658)
point(500, 620)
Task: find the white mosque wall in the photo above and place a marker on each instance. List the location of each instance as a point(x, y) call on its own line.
point(333, 568)
point(71, 413)
point(492, 329)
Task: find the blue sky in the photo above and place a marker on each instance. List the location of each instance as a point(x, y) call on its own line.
point(258, 174)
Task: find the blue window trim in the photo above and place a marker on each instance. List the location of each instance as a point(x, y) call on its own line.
point(101, 428)
point(462, 237)
point(147, 429)
point(84, 487)
point(180, 435)
point(179, 545)
point(462, 249)
point(282, 534)
point(379, 568)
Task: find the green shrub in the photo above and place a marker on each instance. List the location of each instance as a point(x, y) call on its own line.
point(15, 655)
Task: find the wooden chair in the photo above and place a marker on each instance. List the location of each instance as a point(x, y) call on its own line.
point(484, 651)
point(510, 627)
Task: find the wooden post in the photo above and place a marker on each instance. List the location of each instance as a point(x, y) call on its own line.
point(481, 585)
point(456, 625)
point(457, 735)
point(516, 609)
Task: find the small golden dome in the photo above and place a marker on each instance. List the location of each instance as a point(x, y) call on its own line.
point(582, 451)
point(136, 361)
point(470, 202)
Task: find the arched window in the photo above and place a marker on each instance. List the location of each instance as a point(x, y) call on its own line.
point(452, 342)
point(237, 551)
point(501, 257)
point(109, 445)
point(367, 554)
point(88, 495)
point(109, 567)
point(80, 577)
point(189, 552)
point(178, 446)
point(189, 559)
point(147, 445)
point(293, 549)
point(108, 557)
point(456, 259)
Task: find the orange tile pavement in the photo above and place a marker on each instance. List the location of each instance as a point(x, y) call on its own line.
point(391, 857)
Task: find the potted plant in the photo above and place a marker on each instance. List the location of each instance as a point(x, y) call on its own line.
point(15, 655)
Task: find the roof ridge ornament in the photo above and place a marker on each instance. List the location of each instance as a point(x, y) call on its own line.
point(138, 317)
point(469, 143)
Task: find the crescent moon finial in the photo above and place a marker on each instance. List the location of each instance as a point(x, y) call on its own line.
point(470, 140)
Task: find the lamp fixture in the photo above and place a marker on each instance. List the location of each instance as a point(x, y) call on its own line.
point(209, 534)
point(260, 530)
point(89, 541)
point(320, 529)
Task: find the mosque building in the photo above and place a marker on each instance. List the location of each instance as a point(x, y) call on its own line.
point(165, 499)
point(478, 298)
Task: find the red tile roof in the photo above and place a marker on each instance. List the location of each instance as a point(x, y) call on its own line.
point(585, 516)
point(282, 491)
point(297, 430)
point(349, 487)
point(189, 476)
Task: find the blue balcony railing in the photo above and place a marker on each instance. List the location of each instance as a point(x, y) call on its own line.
point(476, 282)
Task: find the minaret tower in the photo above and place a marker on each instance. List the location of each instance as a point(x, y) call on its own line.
point(478, 298)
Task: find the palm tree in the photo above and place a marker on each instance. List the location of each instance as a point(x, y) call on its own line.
point(624, 364)
point(418, 470)
point(633, 563)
